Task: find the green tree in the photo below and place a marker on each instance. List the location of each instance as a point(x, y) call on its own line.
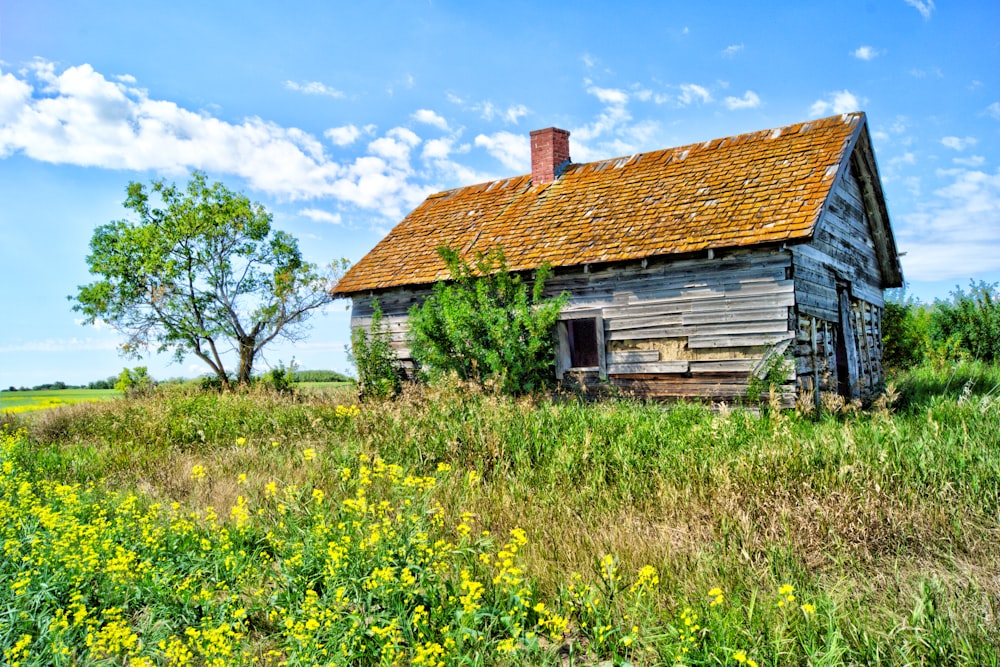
point(905, 331)
point(200, 272)
point(135, 381)
point(487, 324)
point(969, 322)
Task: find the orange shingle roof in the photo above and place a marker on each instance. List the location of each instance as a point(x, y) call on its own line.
point(763, 187)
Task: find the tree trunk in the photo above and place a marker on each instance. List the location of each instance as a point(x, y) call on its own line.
point(247, 353)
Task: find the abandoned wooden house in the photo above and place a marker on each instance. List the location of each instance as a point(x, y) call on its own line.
point(691, 270)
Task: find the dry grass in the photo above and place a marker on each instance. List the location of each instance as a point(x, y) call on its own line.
point(892, 518)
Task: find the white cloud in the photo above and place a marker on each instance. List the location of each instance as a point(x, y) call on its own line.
point(918, 73)
point(993, 110)
point(395, 146)
point(692, 92)
point(905, 158)
point(611, 96)
point(613, 116)
point(78, 116)
point(14, 97)
point(437, 149)
point(314, 88)
point(732, 50)
point(865, 53)
point(956, 234)
point(842, 101)
point(971, 161)
point(514, 113)
point(319, 215)
point(487, 110)
point(957, 143)
point(925, 7)
point(430, 118)
point(407, 81)
point(343, 136)
point(750, 100)
point(512, 150)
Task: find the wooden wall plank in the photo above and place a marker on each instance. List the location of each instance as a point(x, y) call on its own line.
point(633, 356)
point(649, 367)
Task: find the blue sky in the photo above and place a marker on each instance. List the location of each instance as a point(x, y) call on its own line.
point(340, 117)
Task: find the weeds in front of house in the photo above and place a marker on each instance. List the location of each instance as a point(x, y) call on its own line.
point(682, 525)
point(371, 570)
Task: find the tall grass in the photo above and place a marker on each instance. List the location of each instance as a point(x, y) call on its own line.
point(884, 524)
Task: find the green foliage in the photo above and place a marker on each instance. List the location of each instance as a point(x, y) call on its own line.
point(109, 383)
point(771, 376)
point(379, 373)
point(487, 325)
point(905, 332)
point(204, 273)
point(279, 379)
point(53, 386)
point(969, 324)
point(135, 382)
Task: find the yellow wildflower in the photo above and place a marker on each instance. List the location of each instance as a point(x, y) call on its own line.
point(787, 594)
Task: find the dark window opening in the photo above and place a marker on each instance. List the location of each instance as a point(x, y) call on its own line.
point(582, 335)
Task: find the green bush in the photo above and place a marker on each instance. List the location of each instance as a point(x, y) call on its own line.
point(279, 379)
point(969, 324)
point(135, 381)
point(905, 332)
point(487, 325)
point(379, 373)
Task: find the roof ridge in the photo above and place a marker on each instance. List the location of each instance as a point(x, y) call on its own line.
point(717, 142)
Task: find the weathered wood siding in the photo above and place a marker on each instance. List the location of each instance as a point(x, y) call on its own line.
point(695, 328)
point(395, 305)
point(841, 258)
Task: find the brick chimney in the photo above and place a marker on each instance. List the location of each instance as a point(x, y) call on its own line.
point(549, 154)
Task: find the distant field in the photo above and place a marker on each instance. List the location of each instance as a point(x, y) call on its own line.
point(26, 401)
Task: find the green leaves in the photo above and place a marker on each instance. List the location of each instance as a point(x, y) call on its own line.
point(379, 372)
point(487, 325)
point(200, 271)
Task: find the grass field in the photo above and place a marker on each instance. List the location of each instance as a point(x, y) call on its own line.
point(26, 401)
point(457, 527)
